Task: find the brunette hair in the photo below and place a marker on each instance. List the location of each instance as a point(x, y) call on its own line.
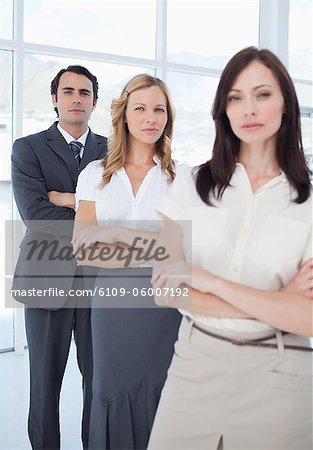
point(117, 141)
point(79, 70)
point(213, 177)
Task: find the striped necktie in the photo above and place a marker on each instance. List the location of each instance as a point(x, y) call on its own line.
point(76, 148)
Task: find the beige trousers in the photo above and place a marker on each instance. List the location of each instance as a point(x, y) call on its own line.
point(219, 396)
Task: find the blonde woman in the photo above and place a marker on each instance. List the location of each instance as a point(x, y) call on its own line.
point(115, 224)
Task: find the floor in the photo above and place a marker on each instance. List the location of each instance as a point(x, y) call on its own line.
point(14, 403)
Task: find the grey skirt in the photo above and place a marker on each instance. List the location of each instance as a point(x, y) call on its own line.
point(133, 342)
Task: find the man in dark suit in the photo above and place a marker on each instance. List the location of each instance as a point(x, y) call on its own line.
point(45, 168)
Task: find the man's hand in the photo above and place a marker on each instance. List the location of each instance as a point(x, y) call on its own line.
point(62, 199)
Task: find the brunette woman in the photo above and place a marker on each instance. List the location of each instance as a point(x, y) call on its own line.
point(241, 376)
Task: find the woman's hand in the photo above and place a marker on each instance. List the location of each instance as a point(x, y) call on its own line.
point(92, 234)
point(170, 277)
point(176, 273)
point(302, 282)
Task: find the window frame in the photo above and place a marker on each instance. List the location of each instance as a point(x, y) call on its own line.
point(273, 34)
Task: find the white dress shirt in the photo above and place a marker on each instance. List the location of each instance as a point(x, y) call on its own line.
point(258, 239)
point(116, 204)
point(70, 138)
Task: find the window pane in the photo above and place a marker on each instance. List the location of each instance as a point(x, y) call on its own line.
point(194, 131)
point(38, 110)
point(120, 27)
point(300, 38)
point(6, 19)
point(306, 128)
point(6, 314)
point(305, 94)
point(207, 33)
point(5, 114)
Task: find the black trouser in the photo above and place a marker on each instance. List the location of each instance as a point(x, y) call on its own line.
point(49, 336)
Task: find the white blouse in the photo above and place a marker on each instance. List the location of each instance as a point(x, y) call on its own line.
point(115, 203)
point(259, 239)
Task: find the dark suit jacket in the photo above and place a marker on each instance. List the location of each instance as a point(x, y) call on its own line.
point(44, 162)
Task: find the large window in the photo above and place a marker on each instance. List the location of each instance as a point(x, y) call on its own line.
point(6, 314)
point(38, 113)
point(184, 42)
point(194, 132)
point(300, 39)
point(300, 63)
point(207, 33)
point(6, 19)
point(120, 27)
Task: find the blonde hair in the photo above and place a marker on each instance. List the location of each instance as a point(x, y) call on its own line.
point(117, 142)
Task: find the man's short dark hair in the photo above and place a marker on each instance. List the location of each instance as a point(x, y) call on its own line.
point(80, 70)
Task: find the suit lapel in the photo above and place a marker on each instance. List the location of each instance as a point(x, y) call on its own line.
point(93, 149)
point(59, 145)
